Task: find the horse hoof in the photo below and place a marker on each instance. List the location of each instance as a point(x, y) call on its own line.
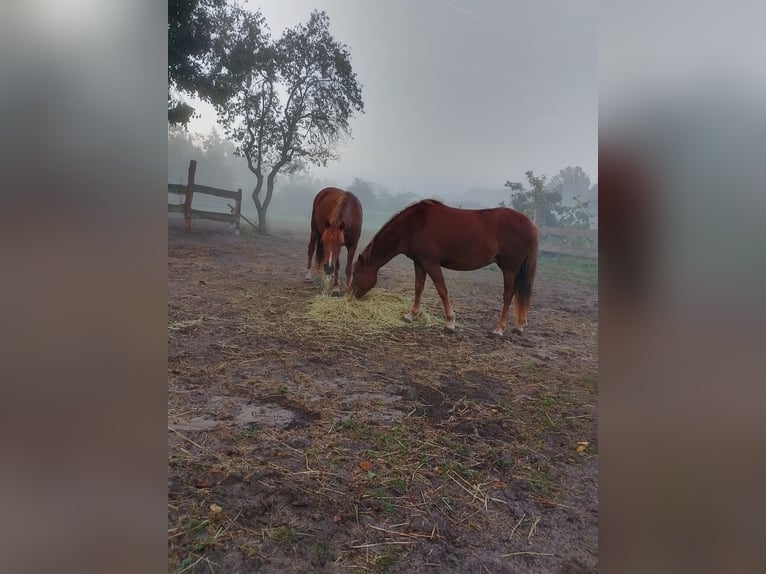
point(496, 334)
point(308, 280)
point(517, 331)
point(449, 330)
point(336, 293)
point(407, 318)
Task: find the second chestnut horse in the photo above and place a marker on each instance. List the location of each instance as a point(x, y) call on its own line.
point(336, 220)
point(435, 236)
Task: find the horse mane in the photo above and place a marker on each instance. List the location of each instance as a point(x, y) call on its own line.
point(337, 206)
point(396, 217)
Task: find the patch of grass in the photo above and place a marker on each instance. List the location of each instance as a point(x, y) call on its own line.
point(587, 382)
point(541, 480)
point(350, 425)
point(382, 497)
point(251, 550)
point(567, 268)
point(321, 552)
point(284, 534)
point(393, 439)
point(385, 560)
point(547, 401)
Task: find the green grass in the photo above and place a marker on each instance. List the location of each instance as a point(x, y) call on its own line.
point(283, 534)
point(567, 268)
point(562, 268)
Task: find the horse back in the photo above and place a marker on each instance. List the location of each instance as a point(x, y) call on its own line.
point(498, 229)
point(514, 229)
point(323, 202)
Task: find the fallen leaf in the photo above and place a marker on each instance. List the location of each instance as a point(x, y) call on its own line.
point(215, 509)
point(336, 518)
point(365, 465)
point(582, 445)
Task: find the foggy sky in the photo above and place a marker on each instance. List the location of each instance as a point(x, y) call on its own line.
point(459, 94)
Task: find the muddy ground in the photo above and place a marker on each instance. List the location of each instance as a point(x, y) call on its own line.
point(294, 448)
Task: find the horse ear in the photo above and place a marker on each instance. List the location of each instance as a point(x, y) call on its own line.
point(327, 222)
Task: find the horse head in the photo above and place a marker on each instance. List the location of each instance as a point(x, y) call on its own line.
point(332, 240)
point(365, 276)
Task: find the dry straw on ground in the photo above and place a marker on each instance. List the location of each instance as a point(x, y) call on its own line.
point(377, 311)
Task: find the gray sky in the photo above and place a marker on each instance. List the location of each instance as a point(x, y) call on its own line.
point(460, 94)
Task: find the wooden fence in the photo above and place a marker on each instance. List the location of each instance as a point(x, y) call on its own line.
point(577, 242)
point(191, 188)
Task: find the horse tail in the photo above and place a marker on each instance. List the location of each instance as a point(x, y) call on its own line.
point(525, 278)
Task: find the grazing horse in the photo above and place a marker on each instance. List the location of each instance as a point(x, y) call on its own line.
point(336, 220)
point(435, 236)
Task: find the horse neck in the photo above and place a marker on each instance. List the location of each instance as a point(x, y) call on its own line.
point(386, 245)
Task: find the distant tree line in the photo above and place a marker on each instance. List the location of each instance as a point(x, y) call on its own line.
point(218, 166)
point(567, 200)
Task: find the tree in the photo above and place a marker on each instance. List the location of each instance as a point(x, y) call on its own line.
point(181, 148)
point(574, 182)
point(544, 204)
point(364, 193)
point(191, 24)
point(539, 203)
point(576, 216)
point(288, 102)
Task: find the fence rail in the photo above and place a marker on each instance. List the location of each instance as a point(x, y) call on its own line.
point(188, 192)
point(576, 242)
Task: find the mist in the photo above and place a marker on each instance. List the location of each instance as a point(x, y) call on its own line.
point(457, 102)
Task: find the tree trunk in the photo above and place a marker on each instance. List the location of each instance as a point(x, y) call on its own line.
point(262, 226)
point(261, 209)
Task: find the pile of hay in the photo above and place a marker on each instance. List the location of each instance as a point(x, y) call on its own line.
point(377, 311)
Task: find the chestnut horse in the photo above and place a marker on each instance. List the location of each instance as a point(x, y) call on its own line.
point(336, 220)
point(435, 236)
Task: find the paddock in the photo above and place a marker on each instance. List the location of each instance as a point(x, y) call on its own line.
point(299, 446)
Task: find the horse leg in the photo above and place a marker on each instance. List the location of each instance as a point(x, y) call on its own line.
point(350, 251)
point(312, 246)
point(435, 273)
point(420, 283)
point(335, 282)
point(509, 278)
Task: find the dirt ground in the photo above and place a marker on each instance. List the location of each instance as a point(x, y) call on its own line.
point(296, 448)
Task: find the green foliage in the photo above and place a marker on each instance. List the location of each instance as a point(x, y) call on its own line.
point(191, 25)
point(573, 182)
point(539, 203)
point(575, 216)
point(286, 103)
point(545, 204)
point(579, 197)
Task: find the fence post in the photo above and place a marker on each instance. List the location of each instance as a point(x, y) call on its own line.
point(238, 205)
point(189, 186)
